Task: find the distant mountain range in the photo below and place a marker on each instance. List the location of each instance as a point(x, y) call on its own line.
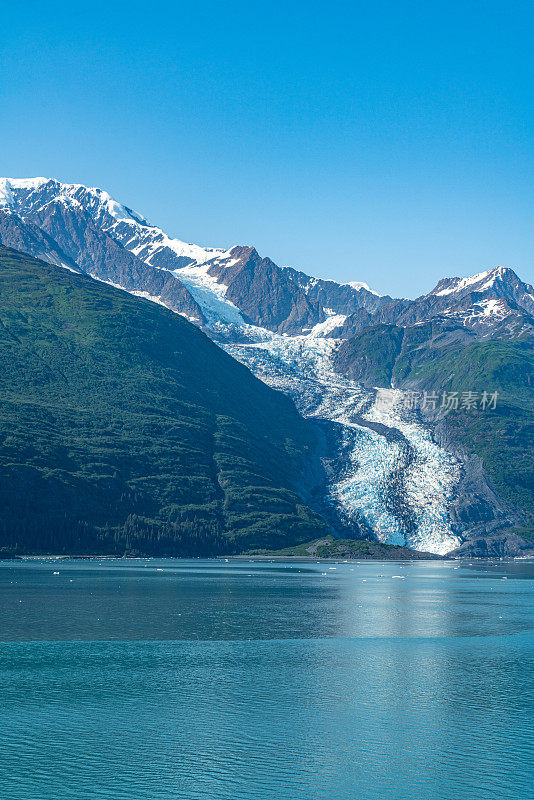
point(416, 476)
point(77, 227)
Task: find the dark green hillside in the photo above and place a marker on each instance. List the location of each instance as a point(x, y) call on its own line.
point(370, 356)
point(503, 437)
point(123, 428)
point(328, 547)
point(503, 365)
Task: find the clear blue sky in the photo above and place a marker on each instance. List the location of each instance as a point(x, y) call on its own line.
point(390, 142)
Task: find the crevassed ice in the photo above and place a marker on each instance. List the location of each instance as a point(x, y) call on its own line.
point(399, 489)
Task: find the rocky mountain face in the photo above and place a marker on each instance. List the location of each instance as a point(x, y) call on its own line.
point(29, 238)
point(78, 224)
point(493, 303)
point(82, 227)
point(348, 357)
point(266, 295)
point(337, 298)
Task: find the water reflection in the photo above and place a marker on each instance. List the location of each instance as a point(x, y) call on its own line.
point(285, 680)
point(131, 599)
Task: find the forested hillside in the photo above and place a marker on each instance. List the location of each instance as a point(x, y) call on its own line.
point(124, 429)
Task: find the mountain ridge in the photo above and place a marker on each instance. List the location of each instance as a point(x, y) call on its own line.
point(282, 299)
point(322, 343)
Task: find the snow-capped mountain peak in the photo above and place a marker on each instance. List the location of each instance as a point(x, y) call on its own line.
point(10, 185)
point(359, 285)
point(474, 283)
point(280, 299)
point(30, 196)
point(498, 291)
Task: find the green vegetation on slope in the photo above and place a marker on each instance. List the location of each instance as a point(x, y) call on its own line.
point(503, 365)
point(502, 437)
point(328, 547)
point(124, 429)
point(370, 356)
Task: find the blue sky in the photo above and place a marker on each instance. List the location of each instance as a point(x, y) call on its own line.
point(390, 142)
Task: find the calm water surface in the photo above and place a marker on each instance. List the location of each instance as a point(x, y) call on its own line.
point(177, 680)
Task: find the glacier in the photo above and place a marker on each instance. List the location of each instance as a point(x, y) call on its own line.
point(392, 479)
point(386, 474)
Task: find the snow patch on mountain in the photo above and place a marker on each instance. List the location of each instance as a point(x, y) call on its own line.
point(359, 285)
point(332, 322)
point(492, 307)
point(480, 282)
point(458, 284)
point(7, 185)
point(210, 295)
point(6, 194)
point(153, 241)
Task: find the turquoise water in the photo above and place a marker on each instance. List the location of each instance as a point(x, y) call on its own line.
point(149, 680)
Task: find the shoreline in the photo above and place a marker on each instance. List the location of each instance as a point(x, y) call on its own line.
point(257, 557)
